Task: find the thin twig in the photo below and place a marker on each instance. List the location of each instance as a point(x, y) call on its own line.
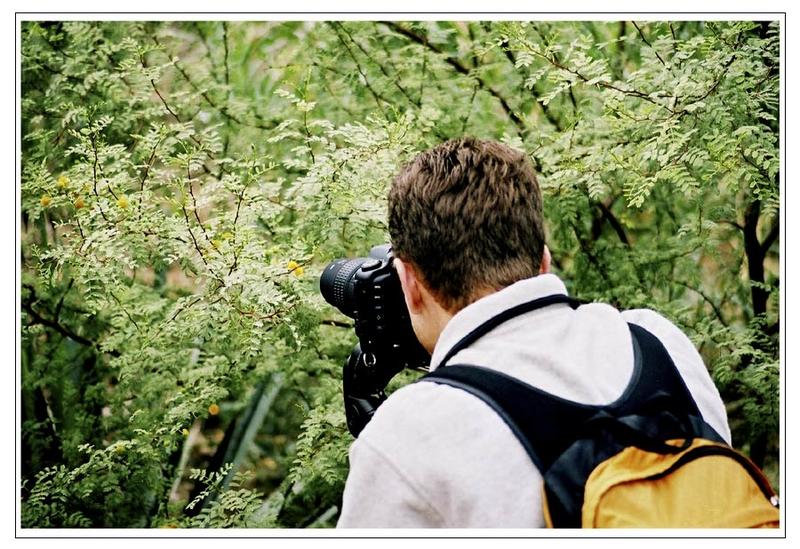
point(649, 45)
point(158, 93)
point(394, 80)
point(225, 46)
point(80, 229)
point(222, 109)
point(707, 299)
point(227, 83)
point(94, 177)
point(545, 109)
point(337, 323)
point(614, 222)
point(172, 112)
point(39, 319)
point(149, 164)
point(61, 301)
point(196, 245)
point(461, 68)
point(235, 220)
point(194, 200)
point(146, 173)
point(469, 112)
point(379, 99)
point(771, 237)
point(694, 100)
point(608, 85)
point(124, 310)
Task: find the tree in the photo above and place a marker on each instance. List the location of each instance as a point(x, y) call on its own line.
point(184, 183)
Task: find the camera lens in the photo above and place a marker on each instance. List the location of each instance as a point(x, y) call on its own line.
point(336, 283)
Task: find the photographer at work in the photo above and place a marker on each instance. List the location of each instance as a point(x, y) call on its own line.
point(468, 246)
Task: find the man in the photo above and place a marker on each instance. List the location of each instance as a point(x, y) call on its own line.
point(465, 220)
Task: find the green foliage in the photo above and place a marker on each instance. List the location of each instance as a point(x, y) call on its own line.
point(234, 506)
point(183, 185)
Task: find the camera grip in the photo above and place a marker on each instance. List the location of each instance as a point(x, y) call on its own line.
point(362, 393)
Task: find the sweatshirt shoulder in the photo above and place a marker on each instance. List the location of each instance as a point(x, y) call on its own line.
point(654, 322)
point(416, 408)
point(429, 416)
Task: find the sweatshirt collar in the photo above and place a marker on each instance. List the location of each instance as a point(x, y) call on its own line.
point(474, 314)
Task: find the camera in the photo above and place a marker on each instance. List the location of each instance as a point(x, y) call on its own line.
point(367, 289)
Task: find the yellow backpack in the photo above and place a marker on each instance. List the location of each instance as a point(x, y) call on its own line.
point(707, 485)
point(647, 460)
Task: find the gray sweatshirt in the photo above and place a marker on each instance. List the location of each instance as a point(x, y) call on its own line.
point(434, 456)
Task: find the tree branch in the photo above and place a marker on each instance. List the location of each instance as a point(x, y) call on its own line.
point(766, 244)
point(649, 45)
point(379, 99)
point(94, 176)
point(755, 258)
point(553, 119)
point(61, 301)
point(394, 80)
point(222, 109)
point(609, 216)
point(707, 299)
point(461, 68)
point(693, 100)
point(64, 331)
point(337, 323)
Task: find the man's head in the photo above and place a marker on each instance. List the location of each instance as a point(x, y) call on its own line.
point(465, 219)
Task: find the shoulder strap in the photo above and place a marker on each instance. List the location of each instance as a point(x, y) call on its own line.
point(546, 425)
point(538, 419)
point(508, 314)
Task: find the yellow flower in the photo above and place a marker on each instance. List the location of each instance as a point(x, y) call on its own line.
point(213, 409)
point(227, 236)
point(45, 201)
point(123, 202)
point(295, 268)
point(79, 203)
point(62, 182)
point(216, 243)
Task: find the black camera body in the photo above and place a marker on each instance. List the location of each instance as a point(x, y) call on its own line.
point(368, 290)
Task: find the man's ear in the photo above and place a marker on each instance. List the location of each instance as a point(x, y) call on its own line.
point(545, 266)
point(410, 284)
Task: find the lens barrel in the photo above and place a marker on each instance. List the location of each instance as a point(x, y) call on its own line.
point(336, 283)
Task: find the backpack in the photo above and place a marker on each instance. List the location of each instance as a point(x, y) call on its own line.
point(646, 460)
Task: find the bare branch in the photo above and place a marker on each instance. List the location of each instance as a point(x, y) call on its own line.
point(766, 244)
point(461, 68)
point(375, 95)
point(393, 79)
point(64, 331)
point(649, 45)
point(609, 216)
point(94, 176)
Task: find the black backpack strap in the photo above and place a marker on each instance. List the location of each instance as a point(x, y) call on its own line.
point(659, 389)
point(547, 425)
point(655, 407)
point(508, 314)
point(566, 440)
point(538, 419)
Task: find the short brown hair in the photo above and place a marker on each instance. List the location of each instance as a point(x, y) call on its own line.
point(468, 215)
